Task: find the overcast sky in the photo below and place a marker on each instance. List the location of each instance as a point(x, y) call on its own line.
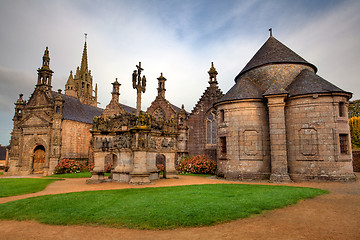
point(178, 38)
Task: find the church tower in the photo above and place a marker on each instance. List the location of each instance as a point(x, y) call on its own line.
point(81, 85)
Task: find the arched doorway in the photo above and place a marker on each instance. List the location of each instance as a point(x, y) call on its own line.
point(39, 159)
point(161, 163)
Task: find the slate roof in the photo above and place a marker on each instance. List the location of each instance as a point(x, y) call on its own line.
point(77, 111)
point(243, 89)
point(307, 82)
point(273, 51)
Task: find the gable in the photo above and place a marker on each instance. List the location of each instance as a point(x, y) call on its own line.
point(35, 120)
point(39, 98)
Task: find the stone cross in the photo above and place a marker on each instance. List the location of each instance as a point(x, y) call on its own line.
point(140, 85)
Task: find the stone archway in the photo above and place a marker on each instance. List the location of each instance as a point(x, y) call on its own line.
point(161, 161)
point(39, 159)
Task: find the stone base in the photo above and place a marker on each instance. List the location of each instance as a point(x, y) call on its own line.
point(154, 176)
point(171, 174)
point(121, 177)
point(350, 177)
point(140, 179)
point(244, 176)
point(97, 177)
point(280, 178)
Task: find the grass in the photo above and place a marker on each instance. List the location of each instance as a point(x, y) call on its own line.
point(74, 175)
point(17, 186)
point(156, 208)
point(1, 173)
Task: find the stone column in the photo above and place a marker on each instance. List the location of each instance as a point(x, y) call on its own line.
point(277, 129)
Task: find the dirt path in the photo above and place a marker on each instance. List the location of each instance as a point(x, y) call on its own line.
point(331, 216)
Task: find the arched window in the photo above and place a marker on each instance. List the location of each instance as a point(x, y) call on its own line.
point(211, 128)
point(159, 114)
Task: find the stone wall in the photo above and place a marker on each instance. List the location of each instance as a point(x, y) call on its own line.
point(246, 134)
point(314, 128)
point(76, 140)
point(356, 160)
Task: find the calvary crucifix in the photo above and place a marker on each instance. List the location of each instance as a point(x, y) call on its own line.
point(140, 85)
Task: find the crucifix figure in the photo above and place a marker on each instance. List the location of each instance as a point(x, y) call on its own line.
point(139, 84)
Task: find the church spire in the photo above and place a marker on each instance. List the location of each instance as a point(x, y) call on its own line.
point(84, 62)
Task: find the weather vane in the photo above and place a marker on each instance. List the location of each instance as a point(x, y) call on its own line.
point(140, 85)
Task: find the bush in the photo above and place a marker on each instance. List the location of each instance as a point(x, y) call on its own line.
point(198, 165)
point(72, 166)
point(68, 166)
point(108, 168)
point(355, 131)
point(160, 167)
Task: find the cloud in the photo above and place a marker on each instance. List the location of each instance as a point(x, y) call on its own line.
point(178, 38)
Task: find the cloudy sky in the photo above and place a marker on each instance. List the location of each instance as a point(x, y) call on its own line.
point(177, 37)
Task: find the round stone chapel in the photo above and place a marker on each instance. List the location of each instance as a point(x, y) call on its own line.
point(283, 122)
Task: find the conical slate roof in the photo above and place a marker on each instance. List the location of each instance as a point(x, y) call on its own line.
point(307, 82)
point(273, 51)
point(243, 89)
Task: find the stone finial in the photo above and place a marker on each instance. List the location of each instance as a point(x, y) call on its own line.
point(161, 87)
point(212, 74)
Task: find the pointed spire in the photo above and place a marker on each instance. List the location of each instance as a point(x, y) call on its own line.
point(212, 74)
point(84, 62)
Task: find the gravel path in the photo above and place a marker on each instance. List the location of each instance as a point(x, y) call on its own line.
point(332, 216)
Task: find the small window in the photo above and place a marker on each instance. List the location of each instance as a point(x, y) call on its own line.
point(223, 145)
point(344, 143)
point(341, 109)
point(57, 109)
point(222, 115)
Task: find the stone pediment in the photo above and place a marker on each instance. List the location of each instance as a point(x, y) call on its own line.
point(39, 98)
point(35, 120)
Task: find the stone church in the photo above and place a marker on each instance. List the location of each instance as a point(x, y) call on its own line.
point(280, 121)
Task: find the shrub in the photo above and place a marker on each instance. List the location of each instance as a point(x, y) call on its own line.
point(198, 165)
point(160, 167)
point(108, 168)
point(68, 166)
point(89, 167)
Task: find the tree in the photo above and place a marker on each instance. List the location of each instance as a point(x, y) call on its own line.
point(355, 131)
point(354, 108)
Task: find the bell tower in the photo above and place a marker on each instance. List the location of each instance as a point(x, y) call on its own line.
point(45, 73)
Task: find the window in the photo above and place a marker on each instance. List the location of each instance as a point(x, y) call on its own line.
point(344, 143)
point(341, 109)
point(222, 115)
point(57, 109)
point(223, 146)
point(159, 114)
point(211, 128)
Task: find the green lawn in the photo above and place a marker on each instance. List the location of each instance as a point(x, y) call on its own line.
point(74, 175)
point(18, 186)
point(1, 173)
point(156, 208)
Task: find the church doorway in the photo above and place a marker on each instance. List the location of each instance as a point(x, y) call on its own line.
point(161, 163)
point(39, 159)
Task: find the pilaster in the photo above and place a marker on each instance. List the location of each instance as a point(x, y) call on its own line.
point(277, 130)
